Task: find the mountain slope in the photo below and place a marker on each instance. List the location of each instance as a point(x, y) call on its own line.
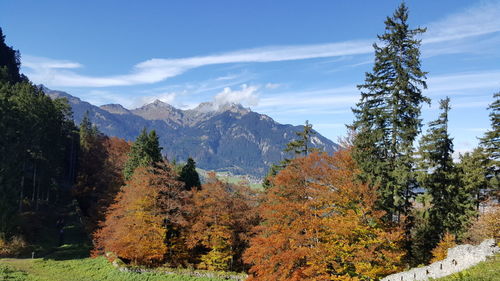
point(229, 138)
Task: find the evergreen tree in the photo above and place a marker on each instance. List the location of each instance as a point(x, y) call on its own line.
point(299, 147)
point(145, 151)
point(10, 63)
point(35, 149)
point(387, 116)
point(473, 172)
point(189, 176)
point(452, 204)
point(491, 145)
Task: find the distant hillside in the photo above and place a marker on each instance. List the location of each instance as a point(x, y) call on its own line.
point(229, 138)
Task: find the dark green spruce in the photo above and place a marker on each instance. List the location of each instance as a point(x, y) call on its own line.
point(490, 143)
point(473, 174)
point(387, 118)
point(453, 205)
point(189, 176)
point(144, 152)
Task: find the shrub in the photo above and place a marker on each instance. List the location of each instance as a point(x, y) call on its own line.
point(13, 247)
point(441, 250)
point(486, 226)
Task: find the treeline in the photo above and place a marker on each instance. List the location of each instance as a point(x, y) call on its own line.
point(354, 215)
point(386, 126)
point(38, 148)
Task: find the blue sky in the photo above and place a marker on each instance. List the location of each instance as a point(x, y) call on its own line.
point(292, 60)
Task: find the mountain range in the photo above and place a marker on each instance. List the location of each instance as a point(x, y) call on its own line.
point(227, 138)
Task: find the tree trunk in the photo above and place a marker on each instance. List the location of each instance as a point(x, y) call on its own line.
point(34, 182)
point(21, 195)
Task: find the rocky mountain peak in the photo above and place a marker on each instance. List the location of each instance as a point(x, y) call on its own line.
point(115, 108)
point(158, 110)
point(210, 107)
point(241, 142)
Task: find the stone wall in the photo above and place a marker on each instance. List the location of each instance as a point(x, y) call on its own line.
point(459, 258)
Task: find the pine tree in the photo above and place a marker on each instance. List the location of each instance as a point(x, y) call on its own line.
point(387, 116)
point(452, 204)
point(491, 145)
point(10, 63)
point(299, 147)
point(189, 176)
point(144, 152)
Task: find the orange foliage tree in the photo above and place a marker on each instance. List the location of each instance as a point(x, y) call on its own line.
point(100, 175)
point(136, 225)
point(320, 223)
point(441, 251)
point(222, 218)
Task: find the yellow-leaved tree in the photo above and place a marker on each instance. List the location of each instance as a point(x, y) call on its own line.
point(222, 216)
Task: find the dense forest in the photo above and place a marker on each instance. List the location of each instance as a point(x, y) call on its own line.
point(353, 215)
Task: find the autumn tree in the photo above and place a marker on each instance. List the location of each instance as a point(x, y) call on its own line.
point(135, 228)
point(222, 218)
point(441, 251)
point(320, 223)
point(100, 172)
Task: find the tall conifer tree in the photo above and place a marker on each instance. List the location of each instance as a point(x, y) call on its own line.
point(387, 116)
point(491, 146)
point(452, 204)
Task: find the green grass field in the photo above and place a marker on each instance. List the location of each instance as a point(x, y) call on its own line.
point(485, 271)
point(87, 269)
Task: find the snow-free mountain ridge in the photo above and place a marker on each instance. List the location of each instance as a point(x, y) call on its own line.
point(221, 138)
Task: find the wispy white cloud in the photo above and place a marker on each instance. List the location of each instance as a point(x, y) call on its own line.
point(469, 23)
point(46, 63)
point(463, 83)
point(156, 70)
point(473, 21)
point(272, 86)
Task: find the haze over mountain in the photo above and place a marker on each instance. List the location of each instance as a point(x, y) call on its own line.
point(227, 137)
